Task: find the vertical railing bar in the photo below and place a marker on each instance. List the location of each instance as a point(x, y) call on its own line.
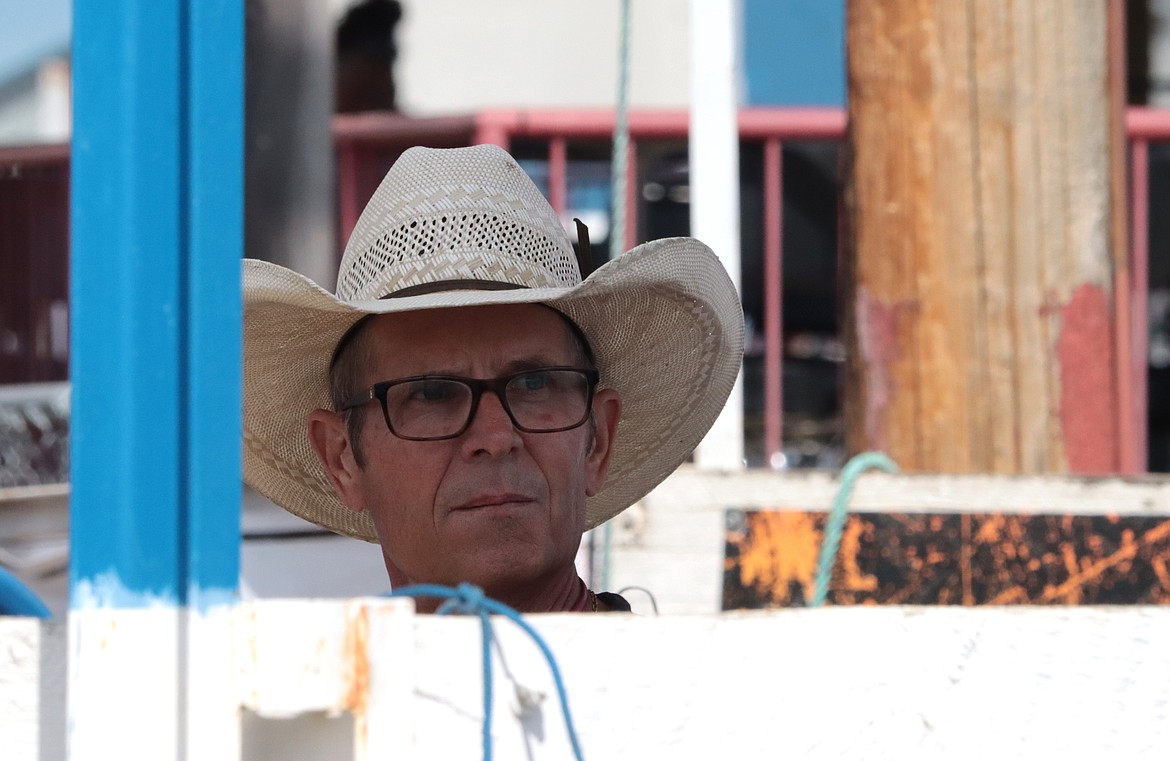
point(347, 181)
point(558, 180)
point(1128, 430)
point(1139, 285)
point(773, 304)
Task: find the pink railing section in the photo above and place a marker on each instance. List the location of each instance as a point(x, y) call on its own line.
point(357, 134)
point(772, 127)
point(34, 204)
point(1143, 126)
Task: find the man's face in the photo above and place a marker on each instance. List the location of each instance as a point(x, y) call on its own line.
point(496, 507)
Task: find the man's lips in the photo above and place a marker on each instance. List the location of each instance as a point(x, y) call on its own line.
point(494, 500)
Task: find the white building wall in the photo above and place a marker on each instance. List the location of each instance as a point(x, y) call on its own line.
point(458, 56)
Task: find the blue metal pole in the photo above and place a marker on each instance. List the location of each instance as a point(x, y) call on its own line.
point(216, 237)
point(157, 188)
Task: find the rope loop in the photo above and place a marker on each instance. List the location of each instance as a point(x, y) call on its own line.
point(468, 599)
point(835, 522)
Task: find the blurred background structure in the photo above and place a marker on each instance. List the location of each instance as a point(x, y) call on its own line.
point(896, 287)
point(336, 89)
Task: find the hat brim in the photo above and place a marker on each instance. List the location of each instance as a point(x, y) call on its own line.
point(663, 321)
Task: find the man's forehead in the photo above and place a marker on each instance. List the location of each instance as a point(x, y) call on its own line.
point(502, 332)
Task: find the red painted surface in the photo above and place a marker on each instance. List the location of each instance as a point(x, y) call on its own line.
point(877, 339)
point(1085, 352)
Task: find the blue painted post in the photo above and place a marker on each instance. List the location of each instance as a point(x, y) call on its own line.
point(157, 210)
point(157, 234)
point(216, 240)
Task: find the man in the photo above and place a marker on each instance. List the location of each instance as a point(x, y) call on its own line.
point(465, 399)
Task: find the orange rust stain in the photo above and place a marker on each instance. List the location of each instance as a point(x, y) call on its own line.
point(779, 549)
point(1069, 591)
point(357, 638)
point(853, 579)
point(1088, 411)
point(1162, 571)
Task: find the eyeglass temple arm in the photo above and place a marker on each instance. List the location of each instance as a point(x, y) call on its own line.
point(357, 400)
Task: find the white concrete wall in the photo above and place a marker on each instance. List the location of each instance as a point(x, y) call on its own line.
point(874, 683)
point(366, 678)
point(458, 56)
point(32, 689)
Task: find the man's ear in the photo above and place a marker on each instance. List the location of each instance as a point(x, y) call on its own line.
point(607, 410)
point(330, 440)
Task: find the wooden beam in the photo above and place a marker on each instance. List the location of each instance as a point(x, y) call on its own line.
point(980, 236)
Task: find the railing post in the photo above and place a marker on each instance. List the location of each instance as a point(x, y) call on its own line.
point(773, 304)
point(1139, 286)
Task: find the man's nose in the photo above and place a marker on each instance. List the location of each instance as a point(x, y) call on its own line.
point(491, 429)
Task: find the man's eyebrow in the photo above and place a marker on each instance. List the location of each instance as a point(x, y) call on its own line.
point(518, 365)
point(532, 363)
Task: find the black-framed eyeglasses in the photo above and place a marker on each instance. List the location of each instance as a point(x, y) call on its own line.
point(433, 407)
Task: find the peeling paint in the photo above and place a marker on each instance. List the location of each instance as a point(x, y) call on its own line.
point(777, 552)
point(109, 590)
point(357, 641)
point(877, 339)
point(106, 590)
point(1087, 385)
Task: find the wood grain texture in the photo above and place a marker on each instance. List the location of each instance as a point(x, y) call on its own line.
point(980, 200)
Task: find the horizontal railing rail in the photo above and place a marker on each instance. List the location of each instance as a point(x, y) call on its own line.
point(34, 186)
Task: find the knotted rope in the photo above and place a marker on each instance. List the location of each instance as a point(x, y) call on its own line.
point(835, 523)
point(470, 600)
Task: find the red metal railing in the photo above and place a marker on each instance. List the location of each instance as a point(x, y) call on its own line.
point(34, 186)
point(358, 137)
point(34, 263)
point(772, 128)
point(1143, 126)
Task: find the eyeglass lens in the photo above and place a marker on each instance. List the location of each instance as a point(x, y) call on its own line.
point(437, 407)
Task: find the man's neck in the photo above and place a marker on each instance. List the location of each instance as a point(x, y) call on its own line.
point(564, 592)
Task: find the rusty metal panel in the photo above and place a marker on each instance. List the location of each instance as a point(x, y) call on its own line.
point(949, 559)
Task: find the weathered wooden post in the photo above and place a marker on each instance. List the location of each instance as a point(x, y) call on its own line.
point(985, 239)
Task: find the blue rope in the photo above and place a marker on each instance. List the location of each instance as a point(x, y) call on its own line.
point(18, 600)
point(469, 599)
point(835, 523)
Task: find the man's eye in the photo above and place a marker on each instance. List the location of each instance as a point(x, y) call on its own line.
point(533, 381)
point(431, 391)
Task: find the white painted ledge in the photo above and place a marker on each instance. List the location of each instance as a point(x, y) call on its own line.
point(691, 489)
point(874, 683)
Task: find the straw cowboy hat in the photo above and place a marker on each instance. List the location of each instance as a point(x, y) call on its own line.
point(466, 226)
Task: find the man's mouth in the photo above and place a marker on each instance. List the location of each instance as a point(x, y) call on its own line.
point(494, 500)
